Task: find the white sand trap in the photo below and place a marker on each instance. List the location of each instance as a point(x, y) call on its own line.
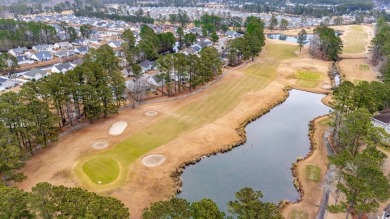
point(117, 128)
point(100, 145)
point(153, 160)
point(151, 113)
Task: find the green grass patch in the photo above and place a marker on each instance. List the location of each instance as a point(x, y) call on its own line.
point(298, 214)
point(364, 67)
point(325, 122)
point(101, 170)
point(357, 81)
point(355, 40)
point(308, 79)
point(218, 102)
point(313, 173)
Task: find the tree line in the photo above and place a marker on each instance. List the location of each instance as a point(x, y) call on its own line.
point(48, 201)
point(380, 53)
point(20, 33)
point(33, 117)
point(247, 205)
point(127, 18)
point(358, 184)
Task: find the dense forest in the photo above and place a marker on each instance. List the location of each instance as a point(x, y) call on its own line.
point(19, 33)
point(127, 18)
point(358, 183)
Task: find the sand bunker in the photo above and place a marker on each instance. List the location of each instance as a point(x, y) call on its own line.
point(153, 160)
point(151, 113)
point(100, 145)
point(117, 128)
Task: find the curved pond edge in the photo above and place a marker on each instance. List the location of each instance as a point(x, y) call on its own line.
point(294, 167)
point(240, 130)
point(176, 173)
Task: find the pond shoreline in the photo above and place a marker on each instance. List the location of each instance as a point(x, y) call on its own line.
point(176, 173)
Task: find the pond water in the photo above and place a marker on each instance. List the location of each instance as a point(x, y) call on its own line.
point(292, 39)
point(274, 141)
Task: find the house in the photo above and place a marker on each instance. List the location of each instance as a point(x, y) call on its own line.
point(39, 48)
point(204, 42)
point(17, 51)
point(81, 50)
point(146, 65)
point(231, 34)
point(62, 68)
point(115, 44)
point(197, 48)
point(189, 51)
point(95, 40)
point(119, 53)
point(80, 42)
point(127, 72)
point(42, 56)
point(62, 45)
point(35, 74)
point(23, 59)
point(64, 53)
point(386, 212)
point(382, 120)
point(6, 83)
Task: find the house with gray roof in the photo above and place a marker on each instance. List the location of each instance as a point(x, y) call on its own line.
point(231, 34)
point(42, 56)
point(81, 50)
point(23, 59)
point(146, 65)
point(6, 83)
point(35, 74)
point(62, 45)
point(115, 44)
point(43, 47)
point(80, 42)
point(17, 51)
point(62, 68)
point(64, 53)
point(382, 119)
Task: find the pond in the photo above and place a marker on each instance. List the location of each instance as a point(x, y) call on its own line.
point(292, 39)
point(274, 141)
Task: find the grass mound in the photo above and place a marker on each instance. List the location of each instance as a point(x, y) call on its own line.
point(298, 214)
point(101, 170)
point(308, 79)
point(313, 173)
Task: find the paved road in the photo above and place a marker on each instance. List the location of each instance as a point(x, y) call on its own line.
point(326, 193)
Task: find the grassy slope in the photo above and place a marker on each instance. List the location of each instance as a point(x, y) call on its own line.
point(355, 40)
point(217, 103)
point(313, 173)
point(308, 79)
